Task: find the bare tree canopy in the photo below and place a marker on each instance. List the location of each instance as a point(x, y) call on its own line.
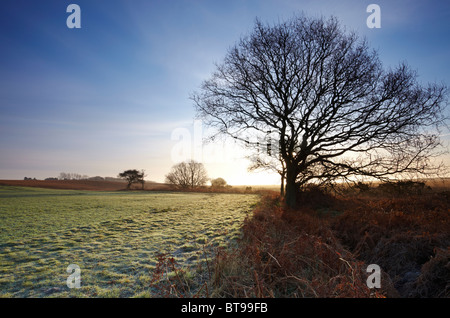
point(334, 111)
point(189, 174)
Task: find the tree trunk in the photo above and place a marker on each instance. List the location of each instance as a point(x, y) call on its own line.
point(291, 188)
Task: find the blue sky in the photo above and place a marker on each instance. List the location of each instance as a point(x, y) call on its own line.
point(114, 95)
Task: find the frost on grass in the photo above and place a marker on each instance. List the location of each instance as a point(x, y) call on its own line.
point(115, 238)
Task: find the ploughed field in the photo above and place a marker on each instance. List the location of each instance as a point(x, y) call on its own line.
point(116, 238)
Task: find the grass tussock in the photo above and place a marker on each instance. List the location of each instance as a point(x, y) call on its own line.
point(323, 249)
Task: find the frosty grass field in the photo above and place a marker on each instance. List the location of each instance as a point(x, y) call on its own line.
point(114, 237)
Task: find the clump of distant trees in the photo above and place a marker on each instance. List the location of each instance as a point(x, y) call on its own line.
point(218, 183)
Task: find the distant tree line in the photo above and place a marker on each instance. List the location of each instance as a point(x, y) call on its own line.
point(72, 176)
point(77, 176)
point(187, 175)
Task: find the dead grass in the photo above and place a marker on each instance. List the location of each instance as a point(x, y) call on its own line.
point(323, 249)
point(405, 236)
point(289, 254)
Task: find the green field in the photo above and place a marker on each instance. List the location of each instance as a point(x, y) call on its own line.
point(114, 237)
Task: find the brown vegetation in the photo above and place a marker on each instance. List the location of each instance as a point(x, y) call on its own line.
point(323, 248)
point(409, 237)
point(81, 184)
point(103, 185)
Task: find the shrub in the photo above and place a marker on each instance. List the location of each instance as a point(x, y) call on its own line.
point(218, 183)
point(402, 187)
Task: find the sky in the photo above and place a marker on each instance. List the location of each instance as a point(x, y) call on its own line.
point(114, 94)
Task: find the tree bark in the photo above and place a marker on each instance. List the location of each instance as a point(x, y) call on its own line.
point(291, 187)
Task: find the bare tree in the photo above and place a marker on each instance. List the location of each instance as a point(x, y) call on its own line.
point(335, 110)
point(189, 174)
